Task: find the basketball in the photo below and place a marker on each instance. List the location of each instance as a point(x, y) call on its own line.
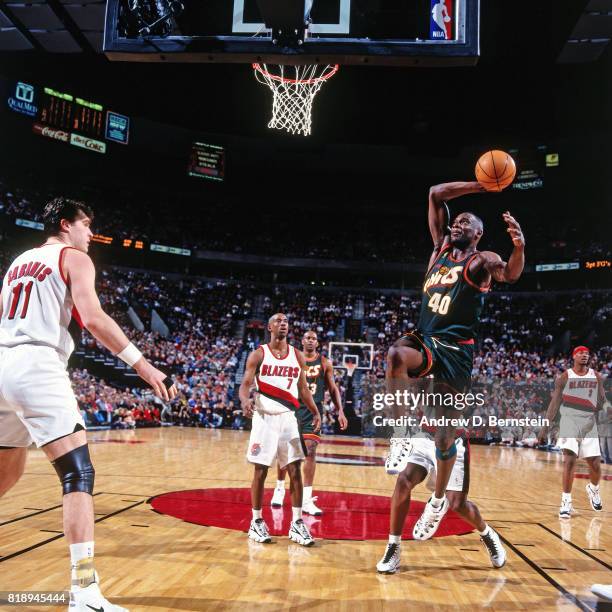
point(495, 170)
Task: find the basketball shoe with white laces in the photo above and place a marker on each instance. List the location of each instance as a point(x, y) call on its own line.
point(430, 520)
point(390, 562)
point(90, 598)
point(565, 511)
point(278, 497)
point(594, 497)
point(299, 533)
point(400, 450)
point(492, 543)
point(309, 507)
point(258, 531)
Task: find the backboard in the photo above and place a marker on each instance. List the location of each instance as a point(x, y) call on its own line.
point(359, 353)
point(388, 32)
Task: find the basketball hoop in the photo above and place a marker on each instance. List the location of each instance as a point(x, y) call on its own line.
point(350, 368)
point(294, 89)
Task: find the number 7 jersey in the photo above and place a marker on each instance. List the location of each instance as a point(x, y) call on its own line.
point(37, 307)
point(452, 301)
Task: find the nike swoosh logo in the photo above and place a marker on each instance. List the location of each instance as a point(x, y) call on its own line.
point(95, 609)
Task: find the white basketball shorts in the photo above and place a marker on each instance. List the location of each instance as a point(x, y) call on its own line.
point(424, 454)
point(275, 436)
point(37, 403)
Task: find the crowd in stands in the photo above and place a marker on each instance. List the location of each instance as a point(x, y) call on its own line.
point(177, 219)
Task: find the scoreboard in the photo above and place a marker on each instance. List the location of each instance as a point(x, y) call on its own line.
point(63, 111)
point(67, 118)
point(207, 161)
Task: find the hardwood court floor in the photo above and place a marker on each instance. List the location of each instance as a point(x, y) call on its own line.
point(150, 561)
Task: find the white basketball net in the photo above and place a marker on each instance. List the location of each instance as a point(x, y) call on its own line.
point(294, 89)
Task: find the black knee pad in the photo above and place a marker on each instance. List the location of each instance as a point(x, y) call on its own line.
point(75, 471)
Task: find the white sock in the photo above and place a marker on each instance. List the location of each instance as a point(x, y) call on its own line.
point(256, 514)
point(280, 484)
point(437, 502)
point(393, 539)
point(486, 530)
point(307, 493)
point(297, 513)
point(566, 497)
point(82, 572)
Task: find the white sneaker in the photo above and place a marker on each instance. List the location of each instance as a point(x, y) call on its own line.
point(390, 562)
point(497, 552)
point(430, 520)
point(299, 533)
point(397, 459)
point(604, 591)
point(278, 497)
point(594, 497)
point(90, 598)
point(565, 511)
point(309, 507)
point(258, 531)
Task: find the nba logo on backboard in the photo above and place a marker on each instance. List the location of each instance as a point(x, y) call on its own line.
point(441, 22)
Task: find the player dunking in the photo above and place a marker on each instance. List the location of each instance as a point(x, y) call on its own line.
point(579, 392)
point(277, 369)
point(458, 276)
point(48, 294)
point(319, 375)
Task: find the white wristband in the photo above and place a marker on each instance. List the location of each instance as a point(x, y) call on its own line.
point(130, 354)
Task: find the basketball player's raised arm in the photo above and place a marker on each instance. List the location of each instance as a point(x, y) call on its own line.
point(508, 272)
point(81, 276)
point(248, 378)
point(334, 392)
point(305, 394)
point(438, 215)
point(553, 406)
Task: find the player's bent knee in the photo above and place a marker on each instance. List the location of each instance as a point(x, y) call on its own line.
point(446, 454)
point(75, 471)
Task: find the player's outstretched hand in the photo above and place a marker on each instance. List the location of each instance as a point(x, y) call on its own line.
point(316, 422)
point(156, 378)
point(514, 229)
point(248, 408)
point(342, 420)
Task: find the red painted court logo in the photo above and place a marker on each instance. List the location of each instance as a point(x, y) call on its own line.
point(255, 449)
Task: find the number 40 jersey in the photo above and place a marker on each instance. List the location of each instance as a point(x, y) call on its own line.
point(452, 301)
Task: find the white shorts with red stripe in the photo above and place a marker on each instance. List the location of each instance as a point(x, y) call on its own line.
point(275, 436)
point(578, 432)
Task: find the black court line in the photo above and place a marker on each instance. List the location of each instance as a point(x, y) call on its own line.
point(25, 516)
point(578, 548)
point(61, 535)
point(516, 544)
point(51, 530)
point(569, 596)
point(32, 508)
point(139, 525)
point(599, 549)
point(470, 549)
point(559, 569)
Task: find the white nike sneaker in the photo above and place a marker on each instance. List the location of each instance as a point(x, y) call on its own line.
point(258, 531)
point(299, 533)
point(430, 520)
point(90, 599)
point(594, 497)
point(309, 507)
point(497, 553)
point(278, 497)
point(565, 511)
point(397, 459)
point(390, 562)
